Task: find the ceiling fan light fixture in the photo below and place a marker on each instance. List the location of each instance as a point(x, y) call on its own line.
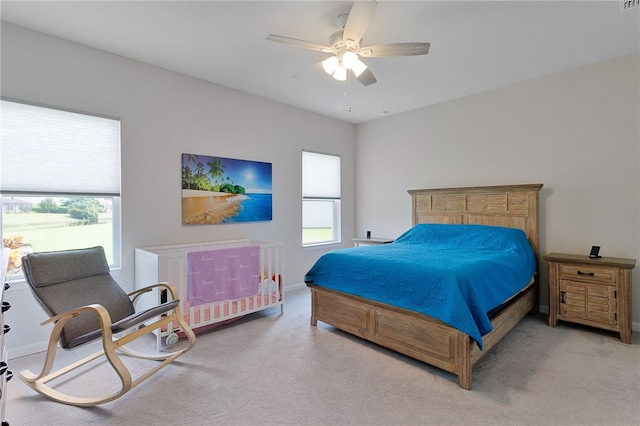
point(358, 68)
point(349, 59)
point(340, 73)
point(330, 64)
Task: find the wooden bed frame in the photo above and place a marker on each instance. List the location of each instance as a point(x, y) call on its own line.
point(423, 337)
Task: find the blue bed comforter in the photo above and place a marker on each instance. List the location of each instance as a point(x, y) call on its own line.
point(455, 273)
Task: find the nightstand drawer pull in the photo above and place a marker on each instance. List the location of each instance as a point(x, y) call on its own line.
point(562, 293)
point(591, 274)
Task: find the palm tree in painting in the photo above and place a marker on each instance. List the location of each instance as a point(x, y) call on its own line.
point(199, 169)
point(201, 181)
point(187, 173)
point(186, 177)
point(216, 169)
point(191, 158)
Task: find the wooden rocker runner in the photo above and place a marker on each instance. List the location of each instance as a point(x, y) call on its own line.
point(85, 303)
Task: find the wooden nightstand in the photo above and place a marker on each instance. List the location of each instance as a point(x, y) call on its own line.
point(373, 241)
point(593, 292)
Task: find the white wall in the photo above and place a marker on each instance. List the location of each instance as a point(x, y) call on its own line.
point(164, 114)
point(577, 132)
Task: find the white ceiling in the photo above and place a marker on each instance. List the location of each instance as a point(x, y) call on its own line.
point(475, 45)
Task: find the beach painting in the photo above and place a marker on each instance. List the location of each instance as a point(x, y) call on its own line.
point(225, 190)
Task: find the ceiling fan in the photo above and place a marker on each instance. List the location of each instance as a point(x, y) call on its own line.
point(345, 47)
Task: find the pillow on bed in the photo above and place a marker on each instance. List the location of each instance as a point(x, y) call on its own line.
point(475, 236)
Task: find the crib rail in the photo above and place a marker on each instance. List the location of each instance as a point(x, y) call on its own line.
point(169, 264)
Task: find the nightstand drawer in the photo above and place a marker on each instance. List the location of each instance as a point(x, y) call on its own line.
point(588, 273)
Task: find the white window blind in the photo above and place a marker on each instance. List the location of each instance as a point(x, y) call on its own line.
point(320, 175)
point(51, 151)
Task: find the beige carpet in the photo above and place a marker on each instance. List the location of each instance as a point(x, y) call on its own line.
point(270, 369)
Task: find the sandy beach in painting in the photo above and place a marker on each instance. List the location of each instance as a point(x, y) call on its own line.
point(200, 207)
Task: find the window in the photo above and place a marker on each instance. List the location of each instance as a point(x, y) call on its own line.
point(320, 199)
point(59, 182)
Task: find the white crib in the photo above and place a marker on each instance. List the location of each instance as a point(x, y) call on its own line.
point(169, 264)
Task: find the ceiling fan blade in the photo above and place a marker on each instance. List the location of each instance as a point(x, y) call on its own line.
point(366, 77)
point(395, 49)
point(300, 43)
point(358, 21)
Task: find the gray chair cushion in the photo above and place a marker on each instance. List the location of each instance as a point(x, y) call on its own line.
point(54, 267)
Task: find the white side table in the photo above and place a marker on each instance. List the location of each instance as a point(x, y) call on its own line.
point(373, 241)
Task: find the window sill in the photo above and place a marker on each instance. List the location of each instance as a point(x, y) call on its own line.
point(322, 245)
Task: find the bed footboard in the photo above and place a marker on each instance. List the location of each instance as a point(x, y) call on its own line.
point(418, 336)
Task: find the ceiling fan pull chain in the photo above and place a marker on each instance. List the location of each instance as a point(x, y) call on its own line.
point(348, 92)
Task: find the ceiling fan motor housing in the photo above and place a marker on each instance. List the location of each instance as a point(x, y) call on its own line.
point(342, 20)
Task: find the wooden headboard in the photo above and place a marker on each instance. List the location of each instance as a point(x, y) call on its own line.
point(512, 206)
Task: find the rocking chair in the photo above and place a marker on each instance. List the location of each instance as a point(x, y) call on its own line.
point(85, 303)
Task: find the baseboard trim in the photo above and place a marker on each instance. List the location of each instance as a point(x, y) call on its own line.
point(294, 287)
point(21, 351)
